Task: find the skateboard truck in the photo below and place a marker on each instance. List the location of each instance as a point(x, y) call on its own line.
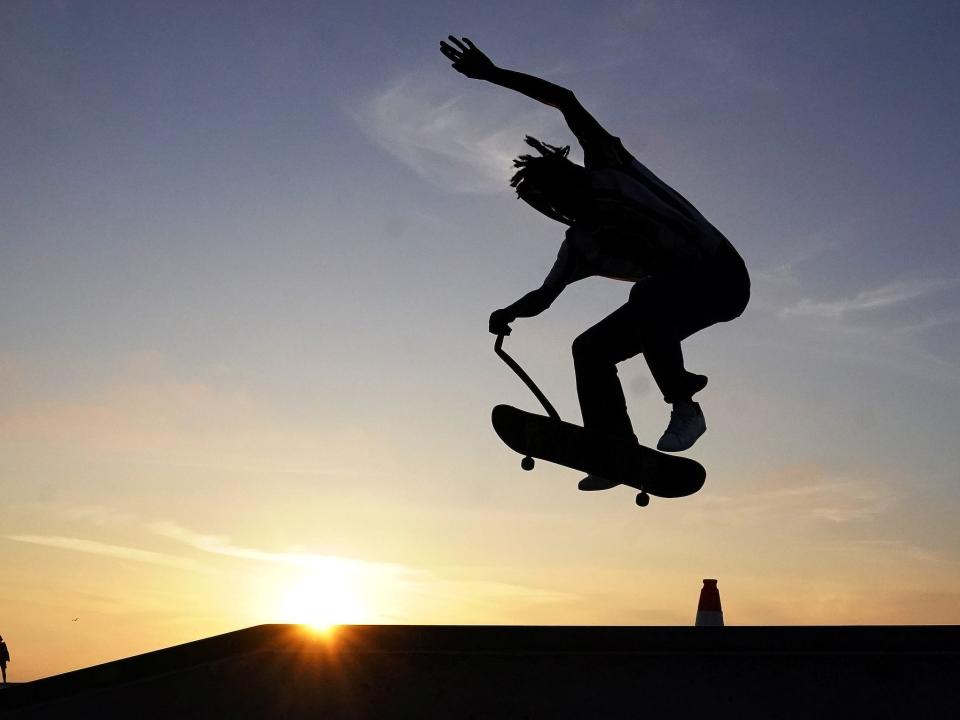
point(527, 463)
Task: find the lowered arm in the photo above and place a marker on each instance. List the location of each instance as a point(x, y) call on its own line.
point(535, 301)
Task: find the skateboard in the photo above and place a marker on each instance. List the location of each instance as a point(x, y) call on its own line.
point(550, 438)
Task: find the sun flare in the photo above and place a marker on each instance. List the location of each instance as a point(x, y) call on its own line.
point(325, 596)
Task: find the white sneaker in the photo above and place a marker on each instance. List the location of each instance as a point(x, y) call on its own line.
point(686, 425)
point(595, 482)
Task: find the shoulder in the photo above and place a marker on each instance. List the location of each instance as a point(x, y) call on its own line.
point(601, 148)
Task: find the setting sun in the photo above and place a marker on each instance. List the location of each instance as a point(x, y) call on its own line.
point(326, 595)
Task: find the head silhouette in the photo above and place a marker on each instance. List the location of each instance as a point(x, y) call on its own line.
point(550, 182)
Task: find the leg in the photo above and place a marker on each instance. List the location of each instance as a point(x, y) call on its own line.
point(662, 320)
point(695, 297)
point(641, 325)
point(661, 311)
point(595, 356)
point(674, 306)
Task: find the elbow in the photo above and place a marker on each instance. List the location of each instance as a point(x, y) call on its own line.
point(566, 100)
point(547, 295)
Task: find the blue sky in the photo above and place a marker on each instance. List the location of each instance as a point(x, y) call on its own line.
point(247, 254)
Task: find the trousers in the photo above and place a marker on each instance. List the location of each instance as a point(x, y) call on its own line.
point(662, 310)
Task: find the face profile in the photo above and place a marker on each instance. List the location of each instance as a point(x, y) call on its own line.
point(551, 183)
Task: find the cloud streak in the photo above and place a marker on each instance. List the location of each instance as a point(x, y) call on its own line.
point(120, 552)
point(885, 296)
point(459, 142)
point(805, 493)
point(220, 545)
point(403, 592)
point(401, 588)
point(903, 325)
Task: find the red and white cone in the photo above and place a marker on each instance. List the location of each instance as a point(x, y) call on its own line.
point(709, 612)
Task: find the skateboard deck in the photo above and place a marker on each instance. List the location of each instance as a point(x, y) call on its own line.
point(649, 471)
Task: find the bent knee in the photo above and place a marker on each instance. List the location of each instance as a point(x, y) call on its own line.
point(584, 348)
point(587, 348)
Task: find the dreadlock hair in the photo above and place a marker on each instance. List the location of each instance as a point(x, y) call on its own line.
point(550, 182)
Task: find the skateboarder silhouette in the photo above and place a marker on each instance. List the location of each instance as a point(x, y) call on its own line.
point(624, 223)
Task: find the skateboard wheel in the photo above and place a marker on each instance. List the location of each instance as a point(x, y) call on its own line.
point(527, 463)
point(643, 499)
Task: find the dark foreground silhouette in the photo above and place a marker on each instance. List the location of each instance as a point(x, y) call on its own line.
point(608, 460)
point(281, 671)
point(4, 659)
point(624, 223)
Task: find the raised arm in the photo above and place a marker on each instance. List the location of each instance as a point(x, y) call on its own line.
point(469, 60)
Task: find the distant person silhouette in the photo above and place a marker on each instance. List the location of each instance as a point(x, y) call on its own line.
point(625, 223)
point(4, 659)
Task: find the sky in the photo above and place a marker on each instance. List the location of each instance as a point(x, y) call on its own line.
point(247, 255)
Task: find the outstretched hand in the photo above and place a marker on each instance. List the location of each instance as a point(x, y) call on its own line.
point(467, 58)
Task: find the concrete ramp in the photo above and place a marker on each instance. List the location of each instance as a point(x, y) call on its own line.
point(284, 671)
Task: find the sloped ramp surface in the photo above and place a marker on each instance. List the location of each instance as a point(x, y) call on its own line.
point(283, 671)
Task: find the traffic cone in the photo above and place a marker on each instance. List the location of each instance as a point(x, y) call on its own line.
point(709, 613)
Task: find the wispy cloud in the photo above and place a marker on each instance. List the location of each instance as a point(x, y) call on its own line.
point(905, 325)
point(220, 545)
point(405, 592)
point(393, 591)
point(884, 296)
point(910, 551)
point(458, 141)
point(851, 501)
point(451, 599)
point(99, 515)
point(804, 250)
point(121, 552)
point(806, 493)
